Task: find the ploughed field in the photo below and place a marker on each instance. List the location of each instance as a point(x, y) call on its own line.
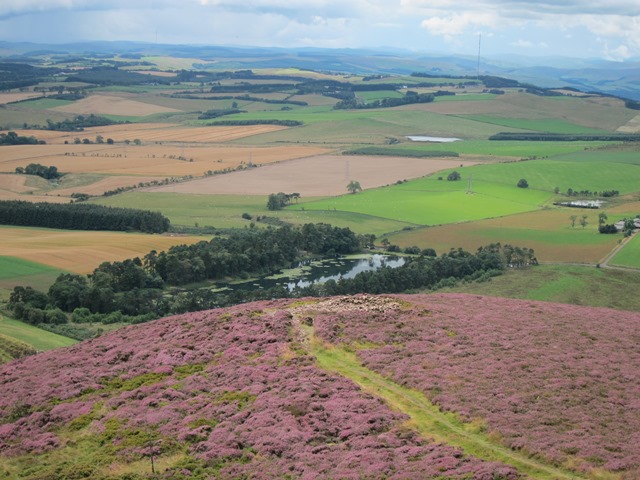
point(271, 390)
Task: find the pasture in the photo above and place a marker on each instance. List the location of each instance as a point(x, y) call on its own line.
point(39, 339)
point(434, 207)
point(16, 271)
point(79, 251)
point(629, 256)
point(547, 231)
point(576, 285)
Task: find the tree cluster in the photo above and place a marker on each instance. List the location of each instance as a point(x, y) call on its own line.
point(80, 217)
point(12, 138)
point(352, 103)
point(277, 201)
point(46, 172)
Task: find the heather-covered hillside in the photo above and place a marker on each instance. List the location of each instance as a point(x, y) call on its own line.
point(238, 392)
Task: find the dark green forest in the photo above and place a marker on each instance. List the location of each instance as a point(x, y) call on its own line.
point(80, 217)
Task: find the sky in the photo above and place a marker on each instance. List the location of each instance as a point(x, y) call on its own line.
point(606, 29)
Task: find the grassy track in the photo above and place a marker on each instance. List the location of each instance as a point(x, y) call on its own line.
point(428, 419)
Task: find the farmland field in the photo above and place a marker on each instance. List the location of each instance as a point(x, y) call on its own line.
point(430, 201)
point(629, 256)
point(16, 271)
point(577, 285)
point(548, 232)
point(80, 251)
point(324, 175)
point(225, 211)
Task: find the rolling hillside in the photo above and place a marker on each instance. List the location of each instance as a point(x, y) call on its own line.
point(329, 389)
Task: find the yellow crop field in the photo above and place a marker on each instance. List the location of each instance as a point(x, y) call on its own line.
point(82, 251)
point(147, 160)
point(155, 132)
point(17, 96)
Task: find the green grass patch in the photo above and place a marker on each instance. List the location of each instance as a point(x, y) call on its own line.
point(548, 174)
point(225, 211)
point(16, 271)
point(507, 148)
point(44, 103)
point(378, 95)
point(551, 125)
point(39, 339)
point(576, 285)
point(629, 256)
point(432, 202)
point(427, 419)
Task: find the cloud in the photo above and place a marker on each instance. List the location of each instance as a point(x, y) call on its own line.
point(458, 23)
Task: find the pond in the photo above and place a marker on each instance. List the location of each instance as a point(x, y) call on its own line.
point(423, 138)
point(312, 272)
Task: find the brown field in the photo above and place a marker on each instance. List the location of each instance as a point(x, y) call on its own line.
point(155, 132)
point(548, 232)
point(104, 104)
point(316, 176)
point(146, 160)
point(632, 126)
point(104, 185)
point(17, 96)
point(79, 251)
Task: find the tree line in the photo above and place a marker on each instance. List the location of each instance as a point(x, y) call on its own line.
point(12, 138)
point(137, 290)
point(80, 217)
point(565, 137)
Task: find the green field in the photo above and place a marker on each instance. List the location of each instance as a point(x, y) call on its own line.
point(547, 231)
point(40, 339)
point(596, 287)
point(225, 211)
point(548, 174)
point(15, 271)
point(554, 125)
point(44, 103)
point(629, 256)
point(433, 202)
point(498, 148)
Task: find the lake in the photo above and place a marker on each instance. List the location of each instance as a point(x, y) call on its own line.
point(319, 271)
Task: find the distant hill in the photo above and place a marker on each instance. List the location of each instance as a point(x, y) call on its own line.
point(613, 78)
point(253, 391)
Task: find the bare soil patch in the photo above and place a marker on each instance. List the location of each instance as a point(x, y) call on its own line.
point(112, 105)
point(322, 175)
point(79, 251)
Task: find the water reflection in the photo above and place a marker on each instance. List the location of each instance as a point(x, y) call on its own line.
point(309, 273)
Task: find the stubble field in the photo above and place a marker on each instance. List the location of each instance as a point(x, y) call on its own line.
point(323, 175)
point(81, 251)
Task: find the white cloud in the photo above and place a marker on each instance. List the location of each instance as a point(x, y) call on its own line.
point(458, 23)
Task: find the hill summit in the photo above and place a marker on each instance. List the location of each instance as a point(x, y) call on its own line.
point(328, 388)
